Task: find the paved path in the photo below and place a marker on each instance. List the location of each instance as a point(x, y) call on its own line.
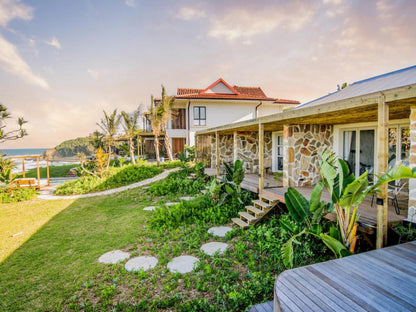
point(112, 191)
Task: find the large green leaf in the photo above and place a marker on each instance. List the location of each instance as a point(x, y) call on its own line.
point(316, 196)
point(354, 192)
point(335, 245)
point(287, 226)
point(229, 172)
point(297, 205)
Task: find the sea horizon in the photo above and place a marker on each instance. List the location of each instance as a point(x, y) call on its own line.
point(23, 151)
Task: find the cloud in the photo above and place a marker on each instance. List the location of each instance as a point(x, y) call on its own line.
point(130, 3)
point(11, 61)
point(187, 13)
point(93, 73)
point(249, 22)
point(333, 1)
point(54, 43)
point(11, 9)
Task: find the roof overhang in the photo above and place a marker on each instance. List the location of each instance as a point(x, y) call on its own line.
point(352, 110)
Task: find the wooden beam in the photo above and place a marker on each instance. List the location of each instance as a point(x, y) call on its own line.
point(47, 170)
point(217, 151)
point(261, 157)
point(235, 146)
point(38, 171)
point(382, 161)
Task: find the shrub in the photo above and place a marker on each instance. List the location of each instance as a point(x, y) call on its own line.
point(115, 177)
point(8, 195)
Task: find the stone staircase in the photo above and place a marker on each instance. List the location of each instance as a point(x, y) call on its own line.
point(254, 213)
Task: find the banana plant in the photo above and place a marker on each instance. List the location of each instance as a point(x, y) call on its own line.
point(348, 192)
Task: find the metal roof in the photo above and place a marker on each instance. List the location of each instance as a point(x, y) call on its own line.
point(392, 80)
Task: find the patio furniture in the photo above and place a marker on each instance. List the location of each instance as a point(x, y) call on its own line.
point(393, 192)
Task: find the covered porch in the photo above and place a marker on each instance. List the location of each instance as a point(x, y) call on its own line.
point(300, 133)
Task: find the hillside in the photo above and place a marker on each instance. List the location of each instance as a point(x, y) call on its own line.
point(71, 148)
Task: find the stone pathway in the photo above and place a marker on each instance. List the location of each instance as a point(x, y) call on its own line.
point(219, 231)
point(161, 176)
point(113, 257)
point(150, 208)
point(186, 198)
point(182, 264)
point(211, 248)
point(141, 263)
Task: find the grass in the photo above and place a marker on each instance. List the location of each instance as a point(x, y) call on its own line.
point(61, 253)
point(54, 171)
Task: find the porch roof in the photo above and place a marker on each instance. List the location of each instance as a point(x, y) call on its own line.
point(362, 108)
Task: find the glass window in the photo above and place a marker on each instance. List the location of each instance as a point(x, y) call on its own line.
point(200, 116)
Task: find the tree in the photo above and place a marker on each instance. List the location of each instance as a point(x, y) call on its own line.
point(13, 134)
point(97, 139)
point(109, 124)
point(155, 117)
point(166, 111)
point(130, 126)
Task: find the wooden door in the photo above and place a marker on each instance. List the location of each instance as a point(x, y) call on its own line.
point(178, 145)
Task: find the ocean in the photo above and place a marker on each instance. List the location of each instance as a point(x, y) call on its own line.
point(31, 163)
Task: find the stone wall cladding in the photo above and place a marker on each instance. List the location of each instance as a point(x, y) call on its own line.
point(247, 150)
point(303, 142)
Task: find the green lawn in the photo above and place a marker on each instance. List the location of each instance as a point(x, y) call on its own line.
point(54, 171)
point(62, 247)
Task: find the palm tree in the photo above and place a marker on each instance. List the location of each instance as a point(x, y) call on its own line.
point(155, 117)
point(166, 107)
point(130, 130)
point(109, 125)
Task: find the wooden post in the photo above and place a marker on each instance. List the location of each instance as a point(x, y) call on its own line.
point(217, 151)
point(382, 161)
point(261, 157)
point(23, 168)
point(235, 146)
point(47, 170)
point(38, 171)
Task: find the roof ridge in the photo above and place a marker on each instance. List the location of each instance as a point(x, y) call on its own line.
point(384, 75)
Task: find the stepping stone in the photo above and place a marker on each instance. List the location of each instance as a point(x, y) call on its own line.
point(211, 248)
point(170, 204)
point(187, 198)
point(141, 263)
point(150, 208)
point(219, 231)
point(113, 257)
point(182, 264)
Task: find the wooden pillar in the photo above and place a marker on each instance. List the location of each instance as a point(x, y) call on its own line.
point(47, 170)
point(261, 157)
point(411, 214)
point(217, 151)
point(382, 162)
point(38, 171)
point(23, 168)
point(235, 146)
point(286, 160)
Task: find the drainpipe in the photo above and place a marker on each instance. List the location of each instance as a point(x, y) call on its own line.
point(189, 124)
point(257, 112)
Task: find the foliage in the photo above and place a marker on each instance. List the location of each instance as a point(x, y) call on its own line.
point(187, 155)
point(178, 183)
point(155, 117)
point(72, 147)
point(165, 109)
point(6, 166)
point(109, 125)
point(8, 195)
point(115, 177)
point(20, 132)
point(228, 189)
point(96, 166)
point(406, 233)
point(54, 171)
point(130, 125)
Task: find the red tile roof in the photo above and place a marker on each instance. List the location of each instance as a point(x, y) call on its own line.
point(244, 93)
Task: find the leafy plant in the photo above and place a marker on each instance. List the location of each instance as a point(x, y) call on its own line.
point(97, 166)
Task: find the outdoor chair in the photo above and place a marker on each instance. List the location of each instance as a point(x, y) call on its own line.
point(393, 192)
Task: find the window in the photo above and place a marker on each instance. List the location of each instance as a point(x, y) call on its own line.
point(277, 162)
point(399, 145)
point(200, 118)
point(178, 119)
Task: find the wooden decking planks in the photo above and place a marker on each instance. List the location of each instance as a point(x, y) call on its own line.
point(262, 307)
point(379, 280)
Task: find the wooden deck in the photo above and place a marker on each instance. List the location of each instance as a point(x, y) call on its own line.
point(378, 280)
point(262, 307)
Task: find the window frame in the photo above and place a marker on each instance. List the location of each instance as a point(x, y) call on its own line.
point(198, 120)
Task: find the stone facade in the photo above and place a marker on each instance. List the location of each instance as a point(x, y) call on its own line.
point(301, 143)
point(247, 149)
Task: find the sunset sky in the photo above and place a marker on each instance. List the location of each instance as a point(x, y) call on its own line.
point(63, 62)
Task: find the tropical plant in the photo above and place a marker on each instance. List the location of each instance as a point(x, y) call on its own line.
point(155, 118)
point(96, 166)
point(188, 154)
point(13, 134)
point(165, 107)
point(347, 192)
point(109, 124)
point(6, 167)
point(130, 125)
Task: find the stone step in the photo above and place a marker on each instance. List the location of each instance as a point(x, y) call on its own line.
point(240, 223)
point(257, 212)
point(250, 218)
point(270, 199)
point(263, 205)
